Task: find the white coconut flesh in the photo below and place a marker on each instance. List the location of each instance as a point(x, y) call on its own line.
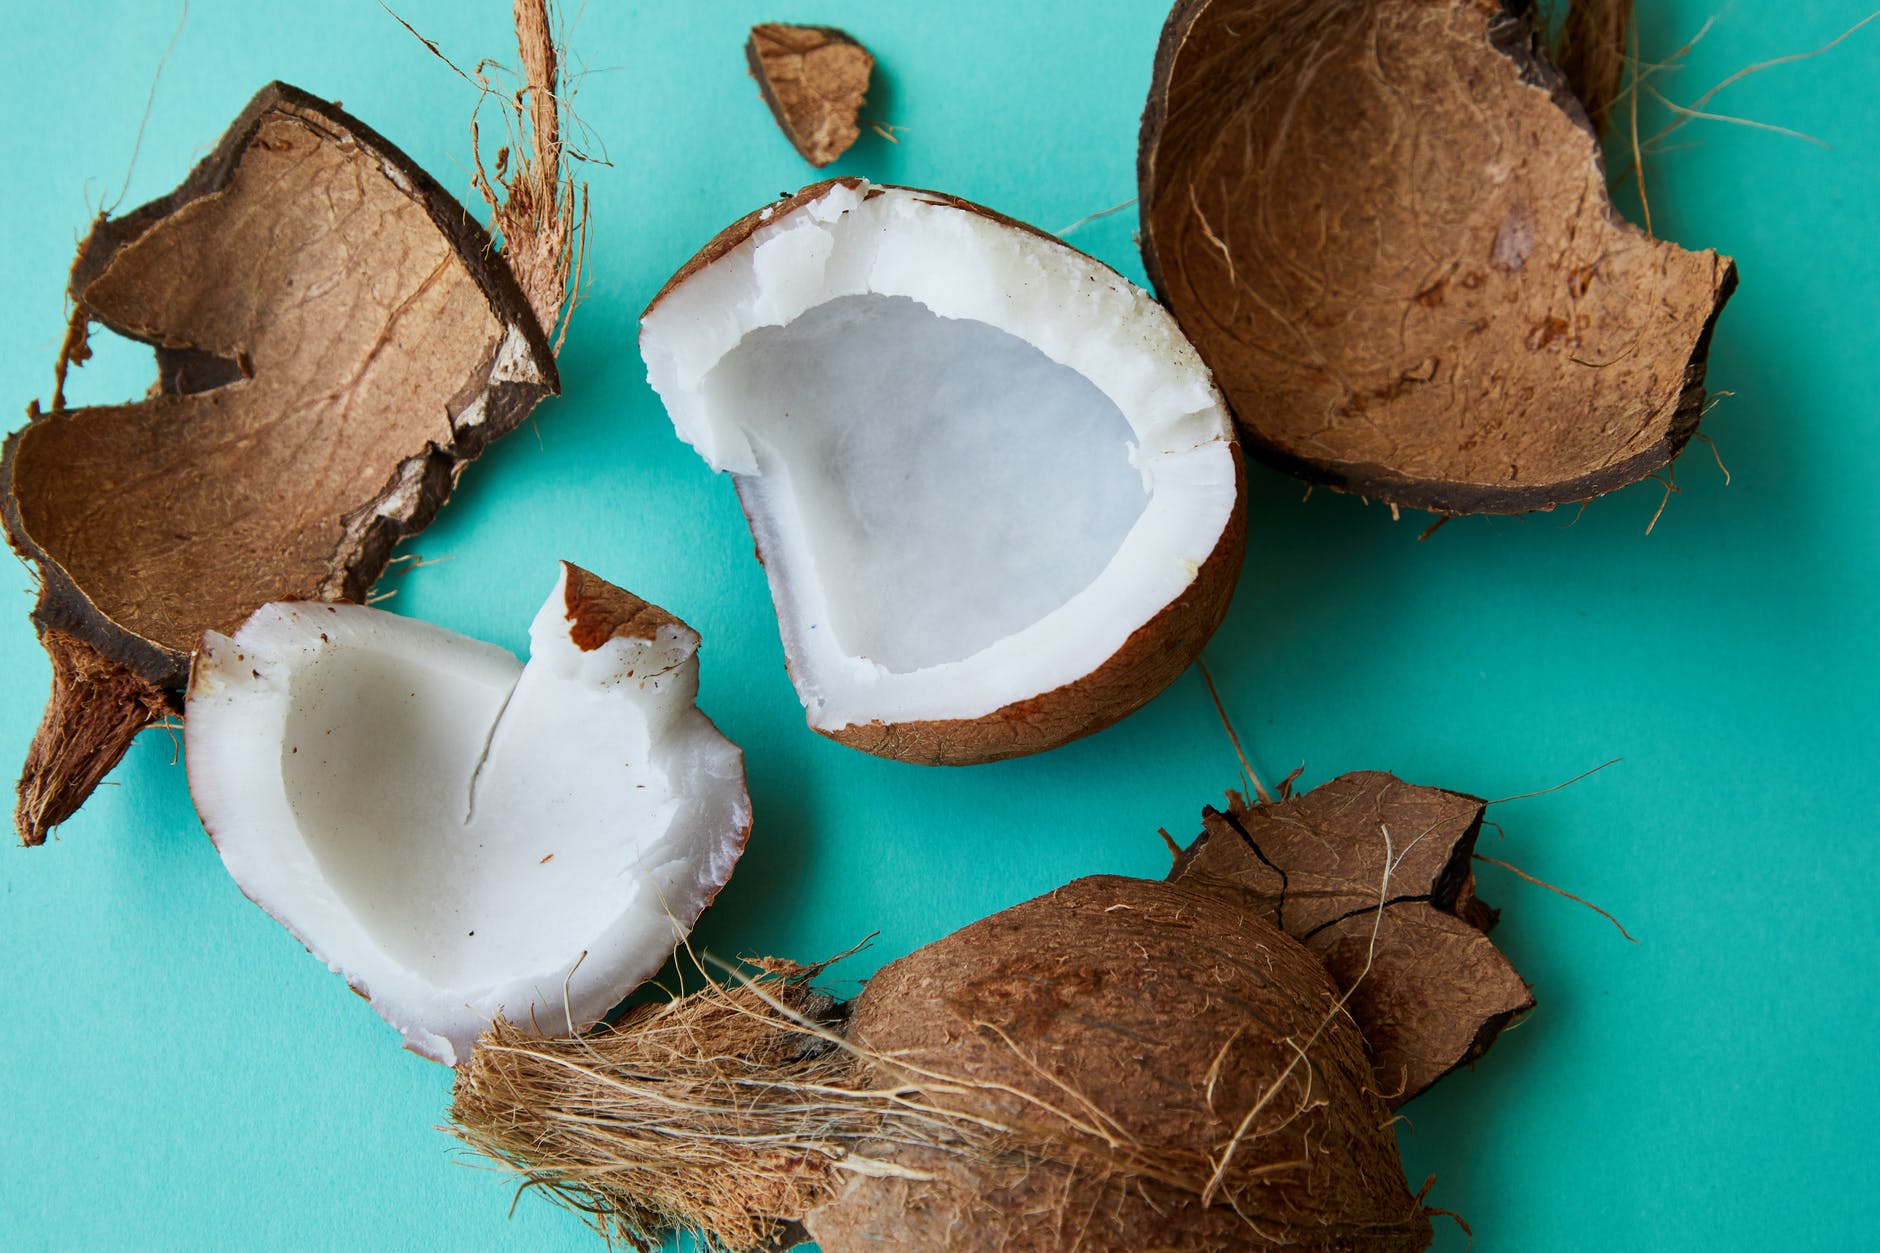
point(975, 460)
point(459, 834)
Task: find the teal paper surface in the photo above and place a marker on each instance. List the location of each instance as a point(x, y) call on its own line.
point(179, 1073)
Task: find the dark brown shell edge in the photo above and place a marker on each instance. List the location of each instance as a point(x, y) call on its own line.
point(1514, 35)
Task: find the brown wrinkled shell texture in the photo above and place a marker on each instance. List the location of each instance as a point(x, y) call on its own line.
point(1386, 227)
point(1434, 991)
point(598, 612)
point(335, 340)
point(814, 78)
point(1149, 660)
point(1129, 1027)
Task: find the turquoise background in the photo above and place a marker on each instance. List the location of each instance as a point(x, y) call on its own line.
point(179, 1073)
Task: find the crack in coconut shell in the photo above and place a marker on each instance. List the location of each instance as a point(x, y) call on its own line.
point(335, 337)
point(1143, 663)
point(1386, 228)
point(1434, 992)
point(1120, 1063)
point(815, 80)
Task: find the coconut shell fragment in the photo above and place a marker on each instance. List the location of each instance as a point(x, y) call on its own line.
point(1429, 989)
point(814, 78)
point(336, 339)
point(1386, 228)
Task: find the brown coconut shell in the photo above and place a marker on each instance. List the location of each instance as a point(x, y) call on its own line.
point(1187, 1061)
point(1119, 1064)
point(336, 338)
point(1387, 229)
point(1154, 655)
point(815, 79)
point(1428, 988)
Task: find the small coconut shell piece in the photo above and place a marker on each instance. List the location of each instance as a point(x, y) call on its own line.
point(1386, 227)
point(998, 498)
point(1428, 988)
point(814, 78)
point(335, 340)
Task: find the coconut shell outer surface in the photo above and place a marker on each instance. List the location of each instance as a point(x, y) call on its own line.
point(1428, 988)
point(335, 337)
point(1152, 657)
point(1387, 229)
point(815, 79)
point(1122, 1030)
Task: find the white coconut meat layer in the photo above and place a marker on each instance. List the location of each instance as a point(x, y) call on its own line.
point(459, 834)
point(974, 459)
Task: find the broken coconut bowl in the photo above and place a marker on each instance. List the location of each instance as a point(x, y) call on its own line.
point(998, 498)
point(1386, 228)
point(336, 338)
point(462, 836)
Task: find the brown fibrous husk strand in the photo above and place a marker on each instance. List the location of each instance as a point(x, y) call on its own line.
point(336, 339)
point(1386, 229)
point(815, 80)
point(1136, 1059)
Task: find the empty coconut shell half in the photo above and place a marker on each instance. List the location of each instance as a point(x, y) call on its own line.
point(1386, 228)
point(997, 496)
point(335, 339)
point(461, 835)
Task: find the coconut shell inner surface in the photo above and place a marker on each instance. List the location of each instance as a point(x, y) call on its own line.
point(335, 340)
point(1386, 227)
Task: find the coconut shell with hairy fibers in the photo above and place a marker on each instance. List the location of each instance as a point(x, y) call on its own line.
point(1190, 1065)
point(1386, 227)
point(1433, 992)
point(335, 338)
point(1121, 1063)
point(814, 78)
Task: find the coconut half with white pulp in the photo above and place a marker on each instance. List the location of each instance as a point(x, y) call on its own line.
point(996, 493)
point(461, 835)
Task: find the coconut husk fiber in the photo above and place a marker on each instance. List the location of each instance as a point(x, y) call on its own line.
point(1120, 1063)
point(336, 338)
point(1386, 228)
